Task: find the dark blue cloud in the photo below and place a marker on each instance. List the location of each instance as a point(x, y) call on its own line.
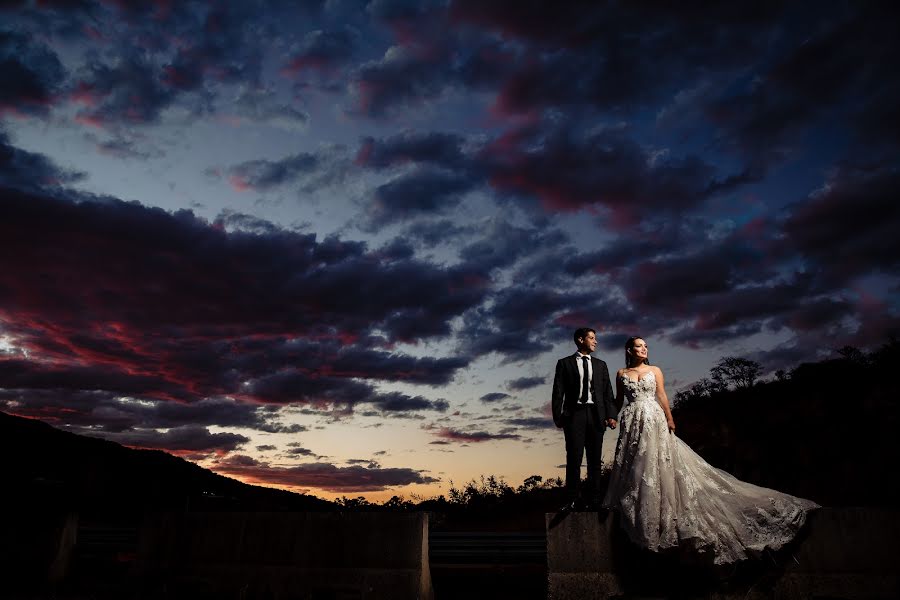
point(847, 229)
point(503, 244)
point(25, 170)
point(495, 397)
point(419, 192)
point(326, 476)
point(322, 51)
point(128, 90)
point(266, 174)
point(525, 383)
point(32, 75)
point(432, 232)
point(449, 434)
point(443, 150)
point(306, 171)
point(523, 321)
point(399, 79)
point(261, 105)
point(569, 170)
point(616, 57)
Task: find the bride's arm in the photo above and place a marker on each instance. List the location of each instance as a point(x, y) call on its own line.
point(620, 390)
point(663, 398)
point(612, 422)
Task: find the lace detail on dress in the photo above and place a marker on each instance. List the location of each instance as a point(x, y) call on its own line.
point(667, 495)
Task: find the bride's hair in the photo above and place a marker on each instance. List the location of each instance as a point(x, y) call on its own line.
point(630, 360)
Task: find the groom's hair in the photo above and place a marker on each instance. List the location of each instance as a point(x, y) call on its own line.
point(582, 332)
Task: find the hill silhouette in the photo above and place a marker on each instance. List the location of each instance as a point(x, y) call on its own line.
point(824, 431)
point(49, 467)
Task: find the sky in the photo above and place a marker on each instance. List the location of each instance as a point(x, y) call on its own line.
point(338, 246)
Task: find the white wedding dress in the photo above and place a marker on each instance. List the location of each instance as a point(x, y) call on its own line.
point(668, 496)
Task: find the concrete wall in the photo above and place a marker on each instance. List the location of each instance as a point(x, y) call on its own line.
point(848, 553)
point(279, 556)
point(35, 547)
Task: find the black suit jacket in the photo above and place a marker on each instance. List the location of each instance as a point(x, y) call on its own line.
point(566, 383)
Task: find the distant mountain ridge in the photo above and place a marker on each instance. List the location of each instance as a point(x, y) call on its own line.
point(45, 465)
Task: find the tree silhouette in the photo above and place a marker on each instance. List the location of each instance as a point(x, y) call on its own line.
point(741, 373)
point(853, 355)
point(703, 388)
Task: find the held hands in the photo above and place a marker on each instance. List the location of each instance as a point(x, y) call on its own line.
point(611, 423)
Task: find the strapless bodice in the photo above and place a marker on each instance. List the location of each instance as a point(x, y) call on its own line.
point(640, 390)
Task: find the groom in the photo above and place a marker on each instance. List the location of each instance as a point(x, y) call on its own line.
point(583, 406)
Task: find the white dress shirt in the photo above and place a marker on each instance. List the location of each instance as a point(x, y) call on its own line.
point(590, 366)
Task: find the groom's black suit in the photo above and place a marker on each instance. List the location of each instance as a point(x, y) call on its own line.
point(583, 424)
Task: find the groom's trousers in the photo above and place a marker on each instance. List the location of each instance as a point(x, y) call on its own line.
point(583, 434)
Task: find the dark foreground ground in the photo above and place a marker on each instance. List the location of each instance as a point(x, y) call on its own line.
point(843, 554)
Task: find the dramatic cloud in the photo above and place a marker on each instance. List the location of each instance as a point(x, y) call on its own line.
point(568, 171)
point(504, 244)
point(438, 149)
point(260, 105)
point(321, 51)
point(847, 227)
point(324, 476)
point(397, 402)
point(398, 79)
point(525, 383)
point(430, 233)
point(31, 72)
point(125, 149)
point(309, 171)
point(522, 322)
point(602, 54)
point(190, 441)
point(215, 335)
point(766, 119)
point(261, 175)
point(300, 451)
point(129, 90)
point(29, 171)
point(419, 192)
point(495, 397)
point(58, 397)
point(454, 435)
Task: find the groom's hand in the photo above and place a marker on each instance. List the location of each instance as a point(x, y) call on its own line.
point(611, 423)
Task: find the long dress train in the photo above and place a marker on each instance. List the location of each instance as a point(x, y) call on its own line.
point(668, 496)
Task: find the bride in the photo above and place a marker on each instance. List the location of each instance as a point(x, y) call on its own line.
point(668, 496)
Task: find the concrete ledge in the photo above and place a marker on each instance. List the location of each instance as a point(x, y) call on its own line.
point(845, 553)
point(371, 556)
point(35, 547)
point(580, 557)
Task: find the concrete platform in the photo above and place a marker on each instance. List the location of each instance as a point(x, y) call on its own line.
point(364, 556)
point(845, 553)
